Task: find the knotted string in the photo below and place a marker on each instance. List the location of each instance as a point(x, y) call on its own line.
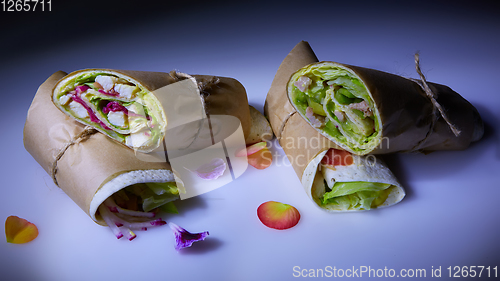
point(84, 135)
point(203, 86)
point(432, 97)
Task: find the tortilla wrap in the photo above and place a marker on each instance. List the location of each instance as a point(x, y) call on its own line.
point(89, 166)
point(128, 106)
point(92, 168)
point(305, 147)
point(368, 111)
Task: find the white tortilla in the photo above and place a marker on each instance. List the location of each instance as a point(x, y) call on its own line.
point(365, 168)
point(126, 179)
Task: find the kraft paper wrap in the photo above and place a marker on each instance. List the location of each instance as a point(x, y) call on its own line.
point(305, 146)
point(410, 119)
point(300, 141)
point(410, 122)
point(90, 159)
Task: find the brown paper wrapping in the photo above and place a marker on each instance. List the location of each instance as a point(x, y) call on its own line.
point(92, 161)
point(226, 97)
point(300, 141)
point(305, 146)
point(409, 119)
point(405, 110)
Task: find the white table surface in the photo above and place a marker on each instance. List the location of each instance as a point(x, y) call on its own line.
point(449, 217)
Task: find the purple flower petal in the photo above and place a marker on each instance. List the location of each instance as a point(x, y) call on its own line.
point(184, 238)
point(212, 170)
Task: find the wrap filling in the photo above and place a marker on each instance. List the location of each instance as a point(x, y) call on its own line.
point(336, 102)
point(116, 106)
point(347, 195)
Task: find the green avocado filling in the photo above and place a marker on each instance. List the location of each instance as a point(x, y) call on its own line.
point(148, 196)
point(356, 195)
point(125, 118)
point(338, 95)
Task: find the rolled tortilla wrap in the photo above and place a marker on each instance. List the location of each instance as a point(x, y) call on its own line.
point(123, 104)
point(368, 111)
point(87, 166)
point(305, 147)
point(361, 184)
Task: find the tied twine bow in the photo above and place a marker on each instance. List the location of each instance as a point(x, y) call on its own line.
point(432, 97)
point(203, 86)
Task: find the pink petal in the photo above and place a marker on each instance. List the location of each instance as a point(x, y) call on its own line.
point(212, 170)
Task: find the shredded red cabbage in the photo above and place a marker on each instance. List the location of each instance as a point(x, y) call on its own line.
point(81, 89)
point(113, 94)
point(76, 97)
point(114, 106)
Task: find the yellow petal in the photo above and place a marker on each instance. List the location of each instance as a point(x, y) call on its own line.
point(19, 231)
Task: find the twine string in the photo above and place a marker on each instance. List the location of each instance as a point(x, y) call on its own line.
point(84, 135)
point(203, 86)
point(432, 97)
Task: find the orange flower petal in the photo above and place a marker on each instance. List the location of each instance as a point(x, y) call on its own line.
point(261, 159)
point(251, 149)
point(19, 231)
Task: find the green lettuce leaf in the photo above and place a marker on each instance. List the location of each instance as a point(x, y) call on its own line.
point(339, 88)
point(156, 201)
point(160, 188)
point(356, 195)
point(169, 208)
point(158, 195)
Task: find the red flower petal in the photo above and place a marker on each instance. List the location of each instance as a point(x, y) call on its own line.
point(19, 231)
point(278, 215)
